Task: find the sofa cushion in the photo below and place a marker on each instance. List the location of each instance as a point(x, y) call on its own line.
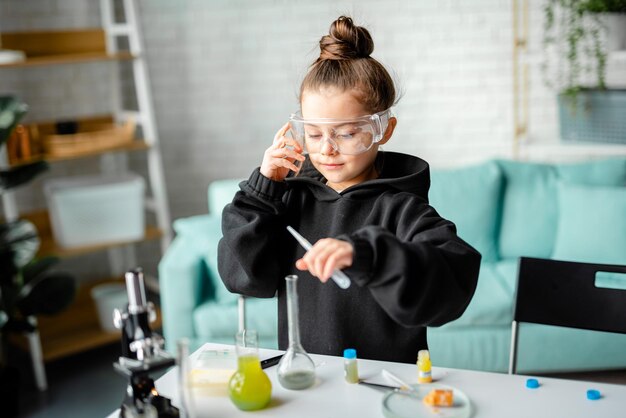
point(591, 224)
point(200, 225)
point(220, 193)
point(492, 304)
point(529, 210)
point(206, 231)
point(547, 348)
point(606, 172)
point(213, 320)
point(541, 348)
point(470, 197)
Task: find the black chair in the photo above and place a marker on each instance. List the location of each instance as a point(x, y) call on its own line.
point(566, 294)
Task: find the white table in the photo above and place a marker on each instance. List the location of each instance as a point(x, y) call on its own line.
point(493, 395)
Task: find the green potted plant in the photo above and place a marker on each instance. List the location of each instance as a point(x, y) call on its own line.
point(575, 32)
point(27, 289)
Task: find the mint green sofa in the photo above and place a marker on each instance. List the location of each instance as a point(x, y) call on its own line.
point(195, 304)
point(506, 209)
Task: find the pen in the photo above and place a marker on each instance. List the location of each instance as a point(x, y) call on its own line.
point(272, 361)
point(378, 385)
point(338, 276)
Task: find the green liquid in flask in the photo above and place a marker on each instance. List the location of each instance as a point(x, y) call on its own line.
point(296, 370)
point(249, 388)
point(297, 379)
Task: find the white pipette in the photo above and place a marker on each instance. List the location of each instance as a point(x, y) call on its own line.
point(403, 385)
point(338, 276)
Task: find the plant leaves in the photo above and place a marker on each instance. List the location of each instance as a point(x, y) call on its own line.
point(47, 294)
point(17, 176)
point(37, 267)
point(21, 240)
point(11, 112)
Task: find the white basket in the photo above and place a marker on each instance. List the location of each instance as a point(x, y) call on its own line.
point(93, 210)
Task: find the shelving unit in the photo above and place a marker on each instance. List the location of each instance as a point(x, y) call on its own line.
point(134, 146)
point(49, 247)
point(60, 47)
point(96, 135)
point(77, 328)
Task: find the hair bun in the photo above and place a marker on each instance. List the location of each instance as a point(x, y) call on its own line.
point(346, 41)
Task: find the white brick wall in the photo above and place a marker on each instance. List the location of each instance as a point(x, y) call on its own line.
point(225, 76)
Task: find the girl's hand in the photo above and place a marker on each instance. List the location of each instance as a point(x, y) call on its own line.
point(327, 255)
point(280, 157)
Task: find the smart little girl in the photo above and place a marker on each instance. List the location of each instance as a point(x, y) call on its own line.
point(365, 211)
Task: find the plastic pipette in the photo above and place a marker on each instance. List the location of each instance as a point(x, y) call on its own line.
point(338, 276)
point(403, 385)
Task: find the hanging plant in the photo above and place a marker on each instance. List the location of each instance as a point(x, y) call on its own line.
point(576, 30)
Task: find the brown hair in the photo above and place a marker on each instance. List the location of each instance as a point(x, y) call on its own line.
point(345, 63)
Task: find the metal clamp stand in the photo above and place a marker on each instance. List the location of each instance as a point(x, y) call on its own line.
point(142, 354)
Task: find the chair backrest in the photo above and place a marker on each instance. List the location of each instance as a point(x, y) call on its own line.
point(569, 294)
point(565, 294)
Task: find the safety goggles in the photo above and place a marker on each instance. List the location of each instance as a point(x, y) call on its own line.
point(346, 136)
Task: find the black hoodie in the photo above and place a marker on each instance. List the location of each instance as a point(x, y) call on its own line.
point(410, 269)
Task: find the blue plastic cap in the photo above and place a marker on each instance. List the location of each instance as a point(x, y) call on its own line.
point(532, 383)
point(593, 395)
point(349, 353)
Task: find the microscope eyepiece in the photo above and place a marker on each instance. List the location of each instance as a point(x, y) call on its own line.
point(136, 291)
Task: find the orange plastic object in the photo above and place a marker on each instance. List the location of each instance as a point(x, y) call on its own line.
point(439, 397)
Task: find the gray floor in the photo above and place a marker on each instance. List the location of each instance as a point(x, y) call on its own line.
point(80, 386)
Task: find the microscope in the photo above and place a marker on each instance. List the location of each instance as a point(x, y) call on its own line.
point(142, 354)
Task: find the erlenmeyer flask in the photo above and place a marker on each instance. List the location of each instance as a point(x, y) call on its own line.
point(249, 388)
point(296, 370)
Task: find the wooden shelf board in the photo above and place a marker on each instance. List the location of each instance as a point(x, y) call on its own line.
point(51, 47)
point(137, 145)
point(69, 59)
point(49, 247)
point(43, 129)
point(76, 329)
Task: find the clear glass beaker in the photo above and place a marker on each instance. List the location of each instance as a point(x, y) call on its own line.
point(296, 370)
point(184, 389)
point(249, 388)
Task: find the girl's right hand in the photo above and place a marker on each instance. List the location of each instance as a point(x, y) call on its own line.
point(279, 158)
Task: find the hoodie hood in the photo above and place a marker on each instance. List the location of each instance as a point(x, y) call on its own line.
point(401, 172)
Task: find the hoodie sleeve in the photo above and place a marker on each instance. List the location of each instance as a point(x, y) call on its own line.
point(423, 276)
point(248, 260)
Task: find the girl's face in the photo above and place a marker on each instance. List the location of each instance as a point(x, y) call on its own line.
point(341, 171)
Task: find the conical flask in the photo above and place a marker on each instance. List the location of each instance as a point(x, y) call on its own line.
point(296, 370)
point(249, 387)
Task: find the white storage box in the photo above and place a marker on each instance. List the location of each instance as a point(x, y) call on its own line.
point(92, 210)
point(108, 297)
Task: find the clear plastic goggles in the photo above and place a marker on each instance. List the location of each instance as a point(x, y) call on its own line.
point(346, 136)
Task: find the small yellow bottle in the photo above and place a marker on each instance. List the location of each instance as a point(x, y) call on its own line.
point(424, 372)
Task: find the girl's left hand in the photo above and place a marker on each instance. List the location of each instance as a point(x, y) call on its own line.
point(327, 255)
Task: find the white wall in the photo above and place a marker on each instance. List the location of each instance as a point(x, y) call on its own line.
point(239, 65)
point(225, 74)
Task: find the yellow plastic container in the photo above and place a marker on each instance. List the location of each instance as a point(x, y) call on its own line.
point(424, 372)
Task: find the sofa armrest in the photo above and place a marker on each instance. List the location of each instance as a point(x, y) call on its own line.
point(184, 279)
